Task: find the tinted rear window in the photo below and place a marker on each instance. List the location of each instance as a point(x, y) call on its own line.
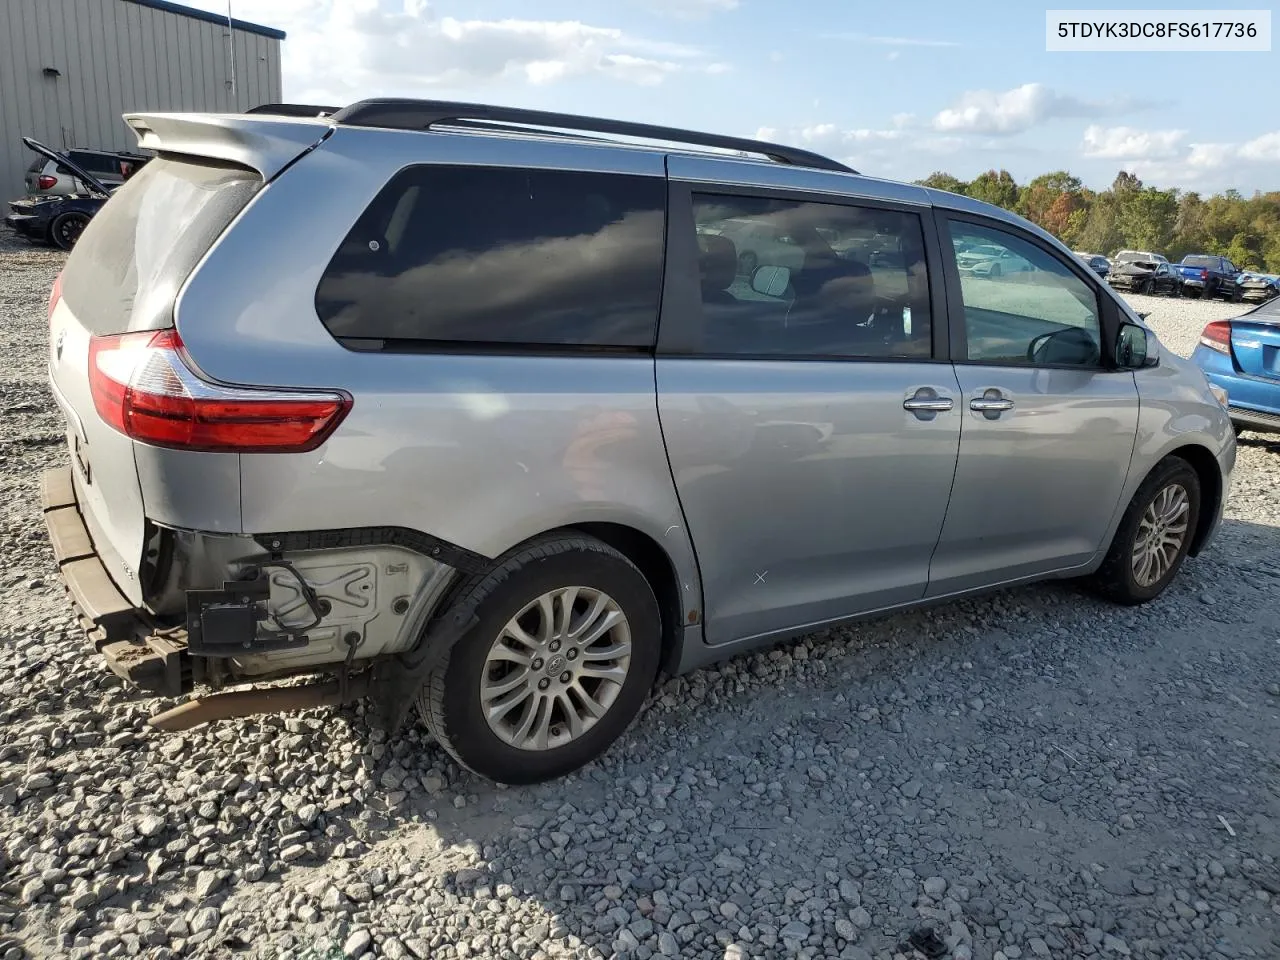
point(480, 255)
point(127, 266)
point(1208, 263)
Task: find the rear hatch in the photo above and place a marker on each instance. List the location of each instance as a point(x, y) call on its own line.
point(122, 277)
point(1255, 341)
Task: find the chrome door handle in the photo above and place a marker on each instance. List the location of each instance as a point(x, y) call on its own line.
point(928, 404)
point(990, 404)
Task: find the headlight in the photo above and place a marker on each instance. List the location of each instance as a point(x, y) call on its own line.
point(1218, 394)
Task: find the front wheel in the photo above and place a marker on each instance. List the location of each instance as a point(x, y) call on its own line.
point(1154, 535)
point(565, 651)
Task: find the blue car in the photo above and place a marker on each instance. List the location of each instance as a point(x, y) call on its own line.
point(1242, 356)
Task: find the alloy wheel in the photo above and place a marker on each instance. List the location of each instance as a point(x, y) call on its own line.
point(1161, 534)
point(556, 668)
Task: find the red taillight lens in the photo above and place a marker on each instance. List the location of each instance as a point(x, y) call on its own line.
point(46, 182)
point(1204, 274)
point(55, 294)
point(1217, 336)
point(143, 387)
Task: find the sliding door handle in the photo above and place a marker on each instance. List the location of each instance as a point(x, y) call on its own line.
point(928, 404)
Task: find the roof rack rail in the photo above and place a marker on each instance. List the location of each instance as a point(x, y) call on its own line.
point(404, 114)
point(293, 109)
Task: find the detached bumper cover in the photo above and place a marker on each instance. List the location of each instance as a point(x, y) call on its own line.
point(36, 228)
point(124, 635)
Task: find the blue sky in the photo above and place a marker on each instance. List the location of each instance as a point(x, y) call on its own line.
point(898, 89)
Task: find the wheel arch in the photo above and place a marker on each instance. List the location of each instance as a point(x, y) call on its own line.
point(657, 567)
point(1205, 464)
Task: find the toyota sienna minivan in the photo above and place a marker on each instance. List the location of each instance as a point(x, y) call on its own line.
point(492, 412)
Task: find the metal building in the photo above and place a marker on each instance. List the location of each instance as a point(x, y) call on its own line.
point(70, 68)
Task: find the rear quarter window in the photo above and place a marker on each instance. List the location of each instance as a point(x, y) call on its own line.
point(127, 266)
point(485, 255)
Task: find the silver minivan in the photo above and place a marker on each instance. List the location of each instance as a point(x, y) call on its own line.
point(490, 411)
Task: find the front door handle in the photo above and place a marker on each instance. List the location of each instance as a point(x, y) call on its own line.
point(990, 404)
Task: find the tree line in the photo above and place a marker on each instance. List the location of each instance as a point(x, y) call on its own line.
point(1133, 216)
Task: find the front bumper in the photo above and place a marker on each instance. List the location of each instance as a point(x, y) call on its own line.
point(134, 647)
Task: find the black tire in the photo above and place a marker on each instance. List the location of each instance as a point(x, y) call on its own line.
point(450, 701)
point(1145, 288)
point(66, 229)
point(1115, 578)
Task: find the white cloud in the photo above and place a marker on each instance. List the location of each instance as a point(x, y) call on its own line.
point(1214, 166)
point(1129, 143)
point(1264, 148)
point(1016, 110)
point(338, 50)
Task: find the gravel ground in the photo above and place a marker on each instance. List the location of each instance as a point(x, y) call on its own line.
point(1030, 774)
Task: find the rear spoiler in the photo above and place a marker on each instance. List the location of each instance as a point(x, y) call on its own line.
point(263, 142)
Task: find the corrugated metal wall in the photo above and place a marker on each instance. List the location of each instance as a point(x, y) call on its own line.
point(114, 57)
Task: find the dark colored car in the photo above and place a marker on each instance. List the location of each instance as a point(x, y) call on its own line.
point(1146, 277)
point(1095, 262)
point(1207, 275)
point(53, 218)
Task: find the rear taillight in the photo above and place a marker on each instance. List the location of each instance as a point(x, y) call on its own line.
point(1204, 274)
point(55, 294)
point(46, 182)
point(143, 387)
point(1217, 336)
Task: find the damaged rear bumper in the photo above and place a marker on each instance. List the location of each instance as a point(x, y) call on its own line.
point(359, 644)
point(135, 648)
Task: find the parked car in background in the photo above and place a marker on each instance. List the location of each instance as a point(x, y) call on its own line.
point(1242, 356)
point(47, 176)
point(389, 405)
point(1258, 287)
point(1095, 262)
point(58, 218)
point(1146, 277)
point(1208, 275)
point(991, 261)
point(1124, 256)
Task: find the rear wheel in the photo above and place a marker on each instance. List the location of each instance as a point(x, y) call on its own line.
point(66, 228)
point(1154, 535)
point(564, 654)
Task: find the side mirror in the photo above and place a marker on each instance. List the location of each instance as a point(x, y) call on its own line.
point(770, 280)
point(1136, 347)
